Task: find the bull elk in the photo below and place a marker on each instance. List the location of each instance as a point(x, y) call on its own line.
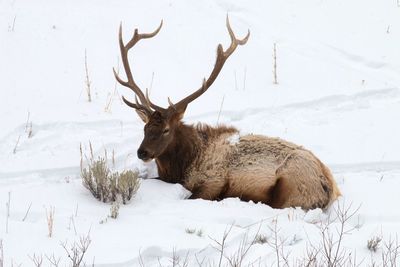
point(206, 160)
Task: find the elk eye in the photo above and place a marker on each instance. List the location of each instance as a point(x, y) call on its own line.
point(166, 131)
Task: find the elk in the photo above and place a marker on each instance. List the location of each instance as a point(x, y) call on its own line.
point(206, 160)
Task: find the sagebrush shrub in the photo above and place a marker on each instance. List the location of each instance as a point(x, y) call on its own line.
point(107, 185)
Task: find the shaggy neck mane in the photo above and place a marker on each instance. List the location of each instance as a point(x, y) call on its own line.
point(188, 144)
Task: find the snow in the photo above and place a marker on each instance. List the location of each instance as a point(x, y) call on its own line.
point(338, 94)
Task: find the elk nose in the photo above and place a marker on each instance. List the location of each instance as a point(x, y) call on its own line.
point(142, 154)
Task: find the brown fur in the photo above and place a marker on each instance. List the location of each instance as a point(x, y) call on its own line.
point(258, 168)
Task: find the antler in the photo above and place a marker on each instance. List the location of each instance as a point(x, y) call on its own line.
point(145, 104)
point(222, 56)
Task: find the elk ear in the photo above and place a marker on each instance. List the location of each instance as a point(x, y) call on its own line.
point(178, 114)
point(143, 115)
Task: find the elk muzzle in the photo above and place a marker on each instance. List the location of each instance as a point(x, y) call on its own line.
point(143, 154)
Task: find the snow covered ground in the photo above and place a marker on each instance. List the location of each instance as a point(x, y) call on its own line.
point(338, 68)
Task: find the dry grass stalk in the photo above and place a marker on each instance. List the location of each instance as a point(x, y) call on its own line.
point(274, 66)
point(50, 220)
point(8, 210)
point(11, 27)
point(111, 98)
point(236, 86)
point(28, 126)
point(220, 108)
point(87, 80)
point(244, 78)
point(1, 254)
point(151, 82)
point(76, 209)
point(114, 209)
point(141, 262)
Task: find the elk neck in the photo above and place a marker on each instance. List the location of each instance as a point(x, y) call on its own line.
point(173, 163)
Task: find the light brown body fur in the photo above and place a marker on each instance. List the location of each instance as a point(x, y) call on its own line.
point(259, 168)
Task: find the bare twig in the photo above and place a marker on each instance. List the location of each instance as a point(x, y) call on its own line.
point(27, 212)
point(332, 251)
point(76, 252)
point(238, 257)
point(391, 253)
point(199, 263)
point(276, 243)
point(53, 260)
point(16, 145)
point(175, 258)
point(37, 260)
point(221, 245)
point(72, 221)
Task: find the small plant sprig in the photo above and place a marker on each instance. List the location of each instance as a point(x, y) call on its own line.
point(374, 243)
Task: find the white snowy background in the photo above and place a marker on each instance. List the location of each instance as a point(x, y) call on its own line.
point(338, 94)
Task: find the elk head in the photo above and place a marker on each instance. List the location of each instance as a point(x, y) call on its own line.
point(162, 123)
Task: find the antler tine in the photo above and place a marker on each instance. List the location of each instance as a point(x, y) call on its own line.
point(222, 56)
point(138, 36)
point(152, 105)
point(137, 106)
point(234, 41)
point(131, 82)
